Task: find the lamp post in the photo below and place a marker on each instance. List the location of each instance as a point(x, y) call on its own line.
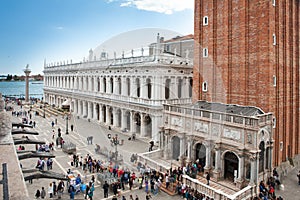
point(115, 142)
point(67, 119)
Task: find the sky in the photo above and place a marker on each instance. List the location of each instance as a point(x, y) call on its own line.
point(58, 30)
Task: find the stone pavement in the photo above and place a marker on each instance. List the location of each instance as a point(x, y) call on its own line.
point(82, 130)
point(291, 188)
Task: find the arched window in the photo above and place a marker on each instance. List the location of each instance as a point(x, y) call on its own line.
point(261, 156)
point(204, 86)
point(119, 85)
point(111, 85)
point(138, 88)
point(149, 87)
point(190, 87)
point(128, 86)
point(167, 89)
point(179, 89)
point(104, 85)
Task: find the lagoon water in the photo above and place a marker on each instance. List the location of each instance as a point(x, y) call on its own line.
point(17, 88)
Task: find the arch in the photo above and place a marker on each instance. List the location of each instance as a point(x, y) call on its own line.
point(92, 89)
point(98, 84)
point(149, 88)
point(98, 111)
point(261, 156)
point(118, 117)
point(128, 86)
point(167, 88)
point(148, 125)
point(128, 120)
point(175, 147)
point(137, 121)
point(190, 87)
point(104, 84)
point(179, 89)
point(104, 113)
point(231, 163)
point(138, 87)
point(119, 85)
point(200, 154)
point(111, 115)
point(111, 84)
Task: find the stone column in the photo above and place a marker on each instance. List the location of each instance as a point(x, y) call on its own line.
point(133, 88)
point(90, 110)
point(254, 168)
point(240, 178)
point(156, 122)
point(27, 71)
point(115, 119)
point(217, 170)
point(107, 116)
point(123, 119)
point(208, 155)
point(75, 107)
point(173, 89)
point(182, 146)
point(189, 150)
point(95, 112)
point(124, 86)
point(132, 124)
point(143, 88)
point(95, 83)
point(101, 113)
point(143, 127)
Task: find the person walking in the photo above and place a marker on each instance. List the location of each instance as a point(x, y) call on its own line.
point(43, 193)
point(298, 175)
point(105, 188)
point(136, 197)
point(207, 178)
point(50, 190)
point(72, 127)
point(37, 194)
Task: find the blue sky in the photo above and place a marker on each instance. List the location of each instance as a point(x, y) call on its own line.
point(58, 30)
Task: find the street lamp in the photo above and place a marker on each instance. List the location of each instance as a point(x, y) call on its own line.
point(44, 115)
point(115, 142)
point(67, 119)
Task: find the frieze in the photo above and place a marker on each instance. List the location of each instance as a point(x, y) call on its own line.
point(201, 127)
point(232, 134)
point(175, 121)
point(215, 130)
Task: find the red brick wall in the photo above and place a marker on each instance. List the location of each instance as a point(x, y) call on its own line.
point(242, 61)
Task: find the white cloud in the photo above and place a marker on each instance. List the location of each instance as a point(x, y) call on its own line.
point(161, 6)
point(59, 27)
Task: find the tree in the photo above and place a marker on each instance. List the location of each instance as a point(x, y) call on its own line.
point(8, 77)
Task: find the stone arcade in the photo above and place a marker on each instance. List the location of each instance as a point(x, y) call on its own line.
point(125, 93)
point(230, 141)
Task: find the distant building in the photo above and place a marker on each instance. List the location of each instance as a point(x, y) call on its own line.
point(127, 92)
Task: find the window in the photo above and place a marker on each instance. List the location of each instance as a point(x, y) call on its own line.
point(274, 122)
point(205, 21)
point(274, 39)
point(274, 80)
point(205, 52)
point(204, 86)
point(274, 2)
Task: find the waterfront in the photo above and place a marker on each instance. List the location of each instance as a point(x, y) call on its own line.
point(17, 88)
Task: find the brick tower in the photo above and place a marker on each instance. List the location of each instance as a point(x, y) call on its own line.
point(247, 53)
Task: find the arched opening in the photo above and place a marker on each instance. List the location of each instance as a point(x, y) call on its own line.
point(167, 89)
point(149, 87)
point(148, 125)
point(127, 115)
point(111, 115)
point(200, 155)
point(138, 88)
point(98, 112)
point(104, 85)
point(111, 82)
point(137, 121)
point(175, 147)
point(231, 163)
point(261, 156)
point(128, 86)
point(81, 80)
point(98, 85)
point(104, 113)
point(119, 85)
point(92, 89)
point(119, 118)
point(179, 89)
point(190, 87)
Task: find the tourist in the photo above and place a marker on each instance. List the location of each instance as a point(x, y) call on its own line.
point(298, 175)
point(52, 124)
point(72, 127)
point(54, 188)
point(131, 197)
point(114, 198)
point(207, 177)
point(91, 191)
point(105, 188)
point(50, 190)
point(37, 194)
point(136, 197)
point(43, 193)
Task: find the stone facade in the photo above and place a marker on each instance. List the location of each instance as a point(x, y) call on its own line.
point(231, 142)
point(252, 59)
point(125, 93)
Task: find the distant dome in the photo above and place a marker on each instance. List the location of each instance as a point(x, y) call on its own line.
point(131, 40)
